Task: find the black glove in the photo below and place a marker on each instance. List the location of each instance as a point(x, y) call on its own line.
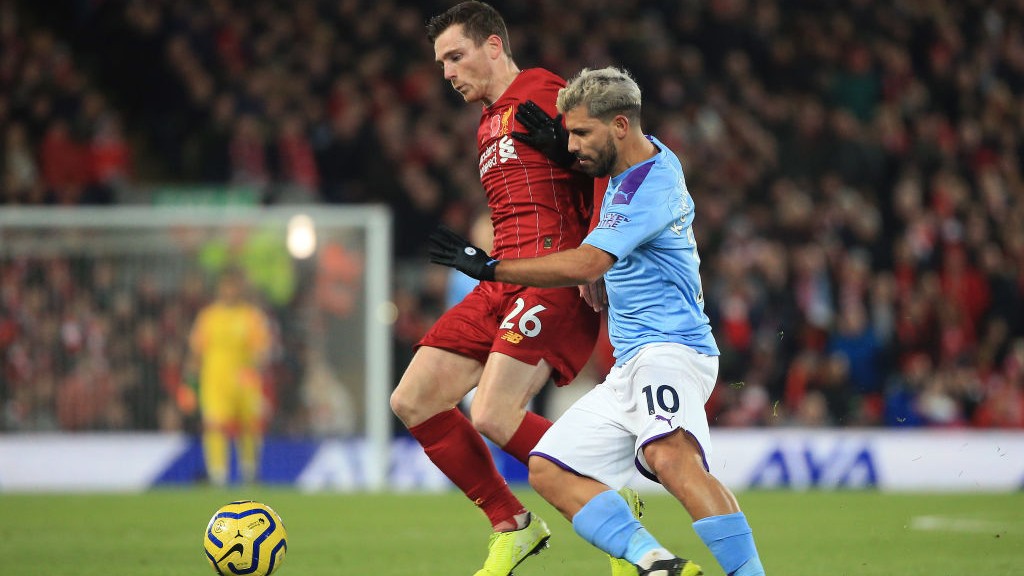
point(449, 249)
point(544, 133)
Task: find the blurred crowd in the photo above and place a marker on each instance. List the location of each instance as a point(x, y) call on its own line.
point(62, 141)
point(88, 348)
point(102, 344)
point(857, 165)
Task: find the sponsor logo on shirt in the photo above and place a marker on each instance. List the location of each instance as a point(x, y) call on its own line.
point(612, 220)
point(511, 337)
point(501, 151)
point(488, 159)
point(631, 183)
point(507, 149)
point(623, 197)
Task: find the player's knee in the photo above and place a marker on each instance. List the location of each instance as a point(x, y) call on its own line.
point(677, 454)
point(401, 404)
point(414, 406)
point(487, 421)
point(542, 475)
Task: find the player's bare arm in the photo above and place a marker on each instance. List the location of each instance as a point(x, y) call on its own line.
point(577, 266)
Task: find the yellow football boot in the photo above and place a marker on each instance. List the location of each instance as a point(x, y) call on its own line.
point(620, 566)
point(506, 550)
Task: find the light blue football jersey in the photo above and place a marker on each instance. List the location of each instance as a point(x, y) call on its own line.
point(654, 288)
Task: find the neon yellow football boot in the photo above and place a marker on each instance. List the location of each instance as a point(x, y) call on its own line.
point(620, 566)
point(506, 550)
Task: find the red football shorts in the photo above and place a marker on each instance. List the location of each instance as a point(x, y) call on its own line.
point(528, 324)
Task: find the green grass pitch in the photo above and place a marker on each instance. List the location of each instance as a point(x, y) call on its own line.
point(158, 533)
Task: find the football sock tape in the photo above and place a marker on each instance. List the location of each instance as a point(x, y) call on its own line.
point(607, 522)
point(731, 541)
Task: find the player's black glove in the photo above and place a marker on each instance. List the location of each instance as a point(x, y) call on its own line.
point(544, 133)
point(449, 249)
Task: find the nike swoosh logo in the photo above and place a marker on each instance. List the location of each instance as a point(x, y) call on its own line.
point(238, 547)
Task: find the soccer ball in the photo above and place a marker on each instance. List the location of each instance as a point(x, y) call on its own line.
point(245, 537)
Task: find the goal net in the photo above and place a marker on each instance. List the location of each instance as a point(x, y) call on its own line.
point(96, 307)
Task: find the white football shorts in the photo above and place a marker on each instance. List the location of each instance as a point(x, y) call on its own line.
point(661, 389)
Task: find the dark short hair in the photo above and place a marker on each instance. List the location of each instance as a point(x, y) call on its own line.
point(479, 21)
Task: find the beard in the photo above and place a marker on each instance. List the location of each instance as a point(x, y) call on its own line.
point(602, 162)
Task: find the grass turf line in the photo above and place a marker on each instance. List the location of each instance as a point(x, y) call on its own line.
point(159, 533)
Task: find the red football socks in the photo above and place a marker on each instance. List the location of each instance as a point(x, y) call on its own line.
point(458, 450)
point(526, 437)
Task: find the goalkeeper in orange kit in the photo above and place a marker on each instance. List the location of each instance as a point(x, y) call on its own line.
point(229, 344)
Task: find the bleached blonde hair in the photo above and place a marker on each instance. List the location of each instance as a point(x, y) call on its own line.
point(606, 93)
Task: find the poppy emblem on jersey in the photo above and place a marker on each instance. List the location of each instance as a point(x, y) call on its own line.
point(511, 337)
point(495, 125)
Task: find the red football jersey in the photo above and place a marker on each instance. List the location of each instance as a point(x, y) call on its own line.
point(537, 207)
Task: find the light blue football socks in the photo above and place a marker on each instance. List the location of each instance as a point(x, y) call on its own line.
point(731, 541)
point(607, 522)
